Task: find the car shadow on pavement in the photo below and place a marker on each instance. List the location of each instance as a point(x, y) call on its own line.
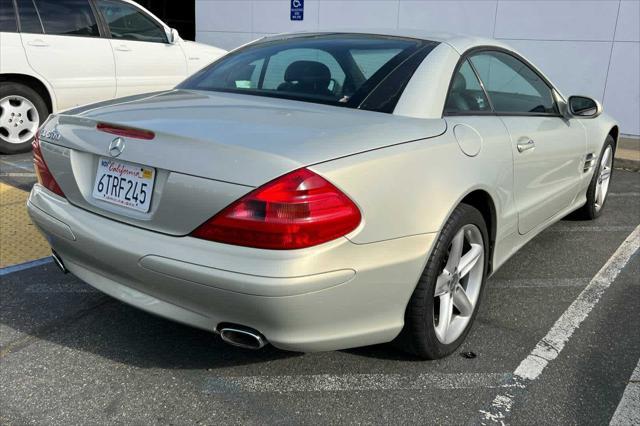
point(41, 306)
point(385, 352)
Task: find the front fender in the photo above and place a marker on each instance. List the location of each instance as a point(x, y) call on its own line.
point(597, 130)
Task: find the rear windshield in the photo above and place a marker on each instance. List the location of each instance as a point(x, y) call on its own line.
point(338, 69)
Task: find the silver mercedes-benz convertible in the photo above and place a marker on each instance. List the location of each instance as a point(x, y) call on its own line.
point(321, 191)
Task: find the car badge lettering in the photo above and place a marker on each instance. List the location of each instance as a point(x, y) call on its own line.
point(53, 135)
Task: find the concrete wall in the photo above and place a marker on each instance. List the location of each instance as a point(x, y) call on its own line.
point(589, 47)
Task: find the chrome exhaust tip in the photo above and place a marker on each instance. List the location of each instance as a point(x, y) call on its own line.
point(58, 261)
point(242, 337)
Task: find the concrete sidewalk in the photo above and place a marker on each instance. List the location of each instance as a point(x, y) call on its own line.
point(628, 153)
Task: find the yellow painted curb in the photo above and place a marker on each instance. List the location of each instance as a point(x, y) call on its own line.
point(20, 240)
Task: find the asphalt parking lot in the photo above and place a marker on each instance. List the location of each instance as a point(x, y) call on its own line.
point(70, 355)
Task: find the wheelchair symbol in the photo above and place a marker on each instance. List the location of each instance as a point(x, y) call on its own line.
point(296, 3)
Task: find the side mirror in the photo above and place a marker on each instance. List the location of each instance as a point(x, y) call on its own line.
point(174, 36)
point(584, 107)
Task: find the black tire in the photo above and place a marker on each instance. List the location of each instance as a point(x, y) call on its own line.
point(418, 336)
point(18, 89)
point(589, 210)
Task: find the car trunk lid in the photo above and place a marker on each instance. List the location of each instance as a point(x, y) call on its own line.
point(208, 149)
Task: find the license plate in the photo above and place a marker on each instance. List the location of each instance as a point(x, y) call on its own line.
point(125, 184)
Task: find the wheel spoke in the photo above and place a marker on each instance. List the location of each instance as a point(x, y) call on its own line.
point(469, 260)
point(14, 134)
point(444, 317)
point(462, 302)
point(442, 284)
point(599, 194)
point(607, 156)
point(456, 252)
point(603, 160)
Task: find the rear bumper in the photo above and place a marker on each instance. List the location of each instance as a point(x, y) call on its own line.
point(328, 297)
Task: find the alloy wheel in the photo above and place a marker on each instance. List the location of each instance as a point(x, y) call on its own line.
point(604, 176)
point(458, 286)
point(19, 119)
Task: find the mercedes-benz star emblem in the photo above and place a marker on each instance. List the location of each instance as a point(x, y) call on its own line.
point(116, 147)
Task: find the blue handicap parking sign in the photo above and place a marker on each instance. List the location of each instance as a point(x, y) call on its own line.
point(297, 10)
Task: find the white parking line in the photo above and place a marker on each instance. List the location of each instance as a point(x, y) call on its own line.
point(628, 411)
point(27, 164)
point(353, 382)
point(624, 194)
point(23, 175)
point(552, 344)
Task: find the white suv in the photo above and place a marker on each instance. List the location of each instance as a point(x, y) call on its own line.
point(57, 54)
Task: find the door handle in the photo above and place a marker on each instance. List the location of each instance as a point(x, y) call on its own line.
point(38, 43)
point(526, 145)
point(123, 48)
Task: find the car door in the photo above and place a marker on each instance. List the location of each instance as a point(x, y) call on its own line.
point(63, 44)
point(548, 150)
point(480, 133)
point(145, 59)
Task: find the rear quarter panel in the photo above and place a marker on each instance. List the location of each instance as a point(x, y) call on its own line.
point(412, 188)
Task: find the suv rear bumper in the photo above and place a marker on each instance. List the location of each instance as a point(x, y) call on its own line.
point(332, 296)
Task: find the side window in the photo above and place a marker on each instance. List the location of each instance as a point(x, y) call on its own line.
point(29, 20)
point(67, 17)
point(8, 23)
point(290, 69)
point(512, 86)
point(466, 94)
point(129, 23)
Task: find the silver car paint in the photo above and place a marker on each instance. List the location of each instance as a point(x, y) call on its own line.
point(212, 128)
point(406, 172)
point(326, 297)
point(216, 158)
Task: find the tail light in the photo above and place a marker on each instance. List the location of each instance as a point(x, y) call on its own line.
point(45, 178)
point(297, 210)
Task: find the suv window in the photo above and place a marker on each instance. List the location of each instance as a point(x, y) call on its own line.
point(65, 17)
point(465, 94)
point(29, 21)
point(8, 23)
point(512, 86)
point(126, 22)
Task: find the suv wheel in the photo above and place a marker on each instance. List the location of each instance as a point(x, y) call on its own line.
point(22, 110)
